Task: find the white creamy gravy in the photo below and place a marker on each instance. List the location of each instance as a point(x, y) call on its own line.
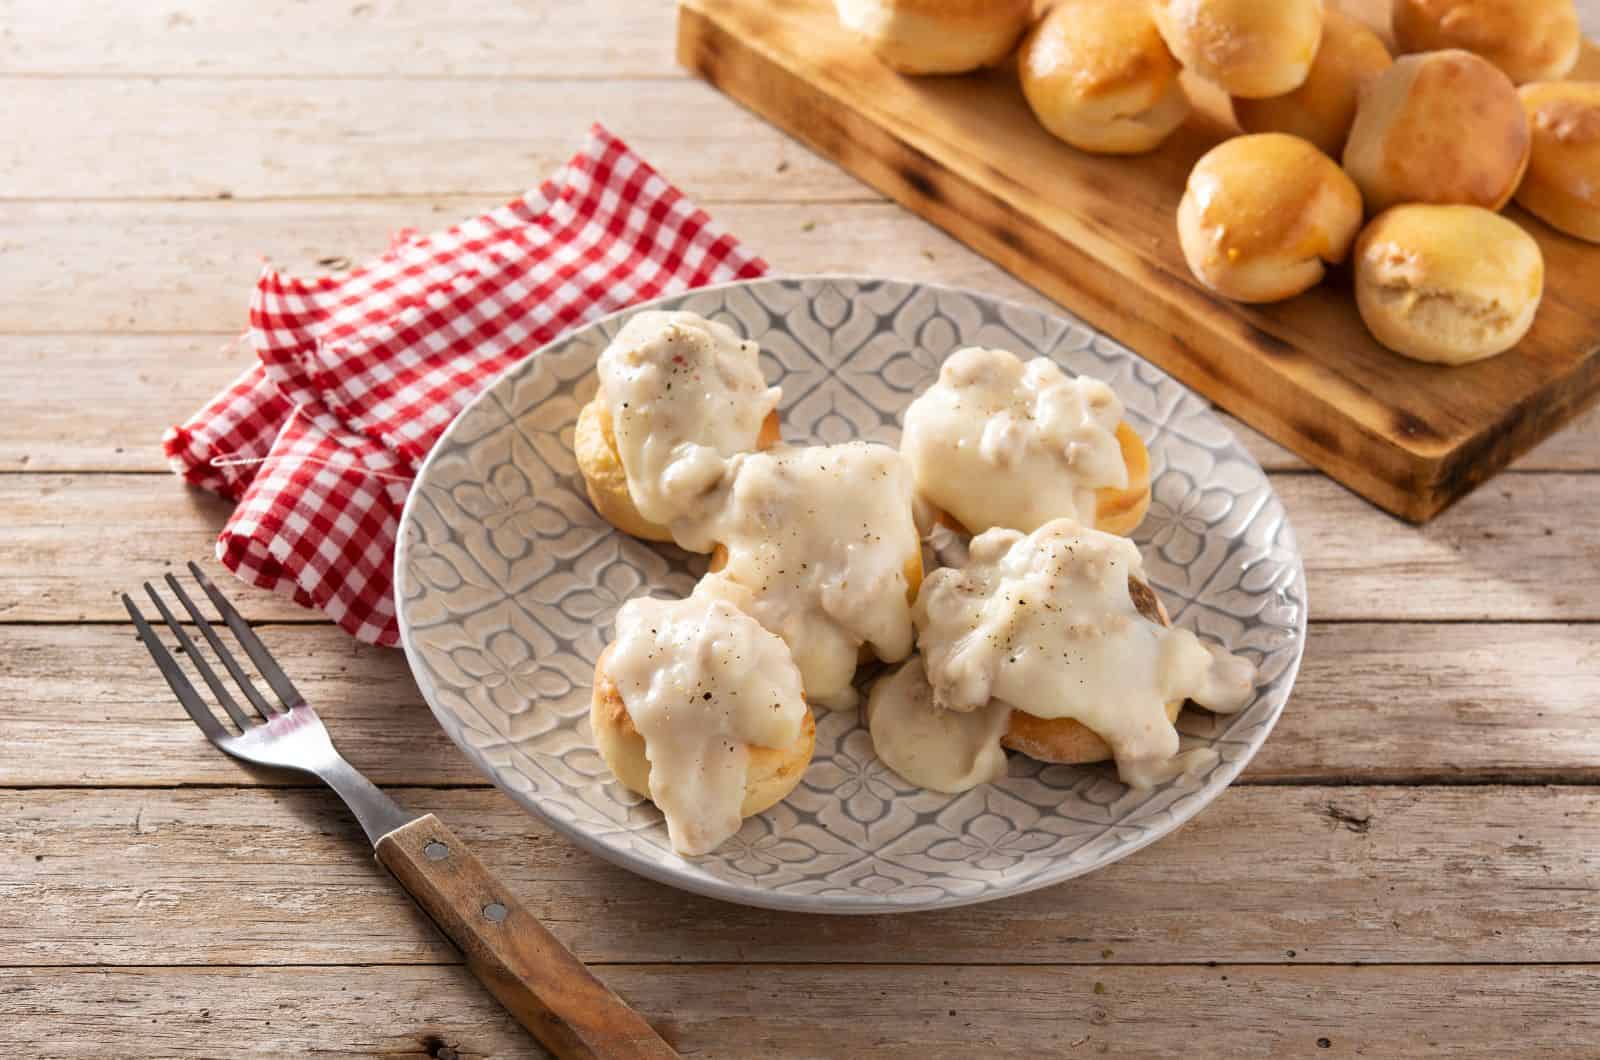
point(998, 443)
point(1044, 623)
point(818, 540)
point(941, 750)
point(685, 393)
point(701, 682)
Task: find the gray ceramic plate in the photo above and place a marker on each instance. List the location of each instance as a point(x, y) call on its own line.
point(508, 582)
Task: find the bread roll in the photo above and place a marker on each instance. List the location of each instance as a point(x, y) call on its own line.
point(1323, 107)
point(1262, 213)
point(1447, 284)
point(1440, 127)
point(1562, 186)
point(1252, 48)
point(1531, 40)
point(937, 36)
point(1098, 75)
point(770, 775)
point(1067, 741)
point(594, 443)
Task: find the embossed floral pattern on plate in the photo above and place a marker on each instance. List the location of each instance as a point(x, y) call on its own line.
point(508, 582)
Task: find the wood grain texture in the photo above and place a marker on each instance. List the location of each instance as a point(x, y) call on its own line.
point(1279, 875)
point(363, 138)
point(1381, 702)
point(598, 39)
point(1516, 550)
point(1096, 233)
point(528, 970)
point(896, 1013)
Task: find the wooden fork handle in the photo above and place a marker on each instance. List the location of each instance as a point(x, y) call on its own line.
point(526, 968)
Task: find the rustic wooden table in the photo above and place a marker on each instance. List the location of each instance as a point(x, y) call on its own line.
point(1410, 867)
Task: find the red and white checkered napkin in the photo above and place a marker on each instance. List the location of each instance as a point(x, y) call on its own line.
point(359, 373)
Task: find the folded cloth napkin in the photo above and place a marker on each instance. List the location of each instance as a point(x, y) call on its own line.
point(358, 373)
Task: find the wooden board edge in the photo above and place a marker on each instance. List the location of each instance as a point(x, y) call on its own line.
point(1414, 482)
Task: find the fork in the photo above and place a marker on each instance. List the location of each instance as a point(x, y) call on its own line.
point(526, 968)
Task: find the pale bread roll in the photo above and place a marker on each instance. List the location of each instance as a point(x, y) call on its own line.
point(594, 443)
point(771, 774)
point(1447, 284)
point(1322, 109)
point(1440, 127)
point(1262, 214)
point(1098, 75)
point(1531, 40)
point(937, 36)
point(1250, 48)
point(1067, 741)
point(1562, 185)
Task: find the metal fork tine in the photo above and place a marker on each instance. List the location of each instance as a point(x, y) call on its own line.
point(229, 704)
point(257, 651)
point(210, 633)
point(175, 677)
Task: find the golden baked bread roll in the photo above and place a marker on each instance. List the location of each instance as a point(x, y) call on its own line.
point(1562, 185)
point(1447, 284)
point(1531, 40)
point(1251, 48)
point(1323, 107)
point(771, 774)
point(1440, 127)
point(1098, 75)
point(1262, 214)
point(937, 36)
point(594, 443)
point(1067, 741)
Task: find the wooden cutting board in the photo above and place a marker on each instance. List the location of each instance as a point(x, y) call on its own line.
point(1097, 234)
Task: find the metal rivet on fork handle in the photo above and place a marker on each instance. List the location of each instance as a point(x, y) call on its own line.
point(435, 851)
point(495, 911)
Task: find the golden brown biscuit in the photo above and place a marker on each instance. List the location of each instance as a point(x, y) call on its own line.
point(1440, 127)
point(594, 443)
point(1251, 48)
point(1322, 108)
point(1098, 75)
point(1262, 214)
point(1531, 40)
point(1067, 741)
point(1562, 185)
point(937, 36)
point(1447, 284)
point(772, 772)
point(1117, 510)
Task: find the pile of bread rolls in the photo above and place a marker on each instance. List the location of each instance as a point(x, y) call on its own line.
point(1403, 161)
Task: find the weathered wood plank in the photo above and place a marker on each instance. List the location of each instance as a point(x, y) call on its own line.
point(1296, 874)
point(308, 137)
point(896, 1013)
point(1375, 703)
point(1514, 550)
point(380, 38)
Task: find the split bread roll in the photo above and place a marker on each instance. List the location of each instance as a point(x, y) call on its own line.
point(1531, 40)
point(1447, 284)
point(1262, 214)
point(1322, 109)
point(1251, 48)
point(771, 774)
point(594, 443)
point(1067, 741)
point(937, 36)
point(1562, 185)
point(1098, 75)
point(1440, 127)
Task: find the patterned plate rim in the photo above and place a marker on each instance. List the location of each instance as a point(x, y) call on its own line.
point(1180, 813)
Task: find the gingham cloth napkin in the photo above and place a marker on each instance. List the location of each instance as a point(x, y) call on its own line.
point(359, 373)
